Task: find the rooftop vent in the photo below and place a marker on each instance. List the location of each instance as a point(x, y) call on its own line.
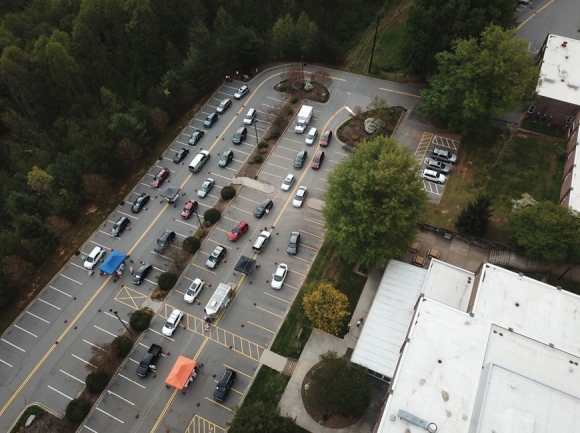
point(564, 44)
point(573, 84)
point(550, 78)
point(431, 427)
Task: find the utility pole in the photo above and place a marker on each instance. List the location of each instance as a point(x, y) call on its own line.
point(116, 313)
point(256, 129)
point(374, 42)
point(302, 65)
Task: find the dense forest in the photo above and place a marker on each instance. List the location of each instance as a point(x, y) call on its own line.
point(86, 87)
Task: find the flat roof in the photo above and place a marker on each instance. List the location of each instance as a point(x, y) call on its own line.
point(386, 325)
point(560, 70)
point(449, 284)
point(512, 365)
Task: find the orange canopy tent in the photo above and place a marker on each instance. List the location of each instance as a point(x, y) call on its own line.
point(181, 372)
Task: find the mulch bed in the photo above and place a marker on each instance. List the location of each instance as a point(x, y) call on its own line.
point(335, 421)
point(354, 130)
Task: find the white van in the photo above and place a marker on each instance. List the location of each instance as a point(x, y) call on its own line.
point(261, 242)
point(250, 116)
point(200, 159)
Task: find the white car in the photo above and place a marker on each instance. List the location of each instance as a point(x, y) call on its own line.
point(93, 258)
point(205, 187)
point(193, 290)
point(300, 196)
point(311, 137)
point(280, 275)
point(288, 182)
point(433, 176)
point(172, 323)
point(244, 90)
point(250, 116)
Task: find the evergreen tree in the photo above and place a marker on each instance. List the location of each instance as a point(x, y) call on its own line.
point(474, 218)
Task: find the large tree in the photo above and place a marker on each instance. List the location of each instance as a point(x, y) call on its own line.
point(372, 203)
point(339, 386)
point(547, 230)
point(432, 25)
point(479, 80)
point(261, 418)
point(325, 307)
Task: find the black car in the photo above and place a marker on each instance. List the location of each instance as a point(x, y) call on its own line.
point(300, 158)
point(142, 273)
point(224, 385)
point(240, 135)
point(195, 137)
point(120, 225)
point(210, 119)
point(180, 155)
point(226, 158)
point(140, 202)
point(293, 244)
point(263, 207)
point(167, 236)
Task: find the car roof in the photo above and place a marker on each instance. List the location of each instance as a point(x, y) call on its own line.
point(241, 128)
point(431, 173)
point(319, 153)
point(312, 129)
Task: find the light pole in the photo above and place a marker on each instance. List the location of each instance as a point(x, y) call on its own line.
point(198, 218)
point(302, 65)
point(116, 313)
point(565, 272)
point(256, 129)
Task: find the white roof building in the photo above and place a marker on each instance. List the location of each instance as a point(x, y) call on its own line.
point(487, 352)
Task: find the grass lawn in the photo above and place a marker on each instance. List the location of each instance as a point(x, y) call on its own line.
point(325, 267)
point(388, 38)
point(532, 164)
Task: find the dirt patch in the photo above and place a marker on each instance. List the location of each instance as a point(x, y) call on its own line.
point(335, 421)
point(50, 424)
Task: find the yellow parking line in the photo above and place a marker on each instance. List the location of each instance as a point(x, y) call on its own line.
point(165, 410)
point(269, 312)
point(282, 157)
point(239, 372)
point(261, 327)
point(320, 189)
point(241, 210)
point(222, 230)
point(223, 216)
point(536, 13)
point(315, 222)
point(248, 199)
point(339, 79)
point(277, 297)
point(290, 270)
point(336, 162)
point(293, 141)
point(219, 404)
point(300, 258)
point(292, 287)
point(399, 93)
point(273, 175)
point(306, 246)
point(311, 234)
point(279, 166)
point(195, 426)
point(187, 278)
point(204, 268)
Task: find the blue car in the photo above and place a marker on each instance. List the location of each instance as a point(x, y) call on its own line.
point(210, 119)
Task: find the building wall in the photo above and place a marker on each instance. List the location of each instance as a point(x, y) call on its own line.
point(559, 111)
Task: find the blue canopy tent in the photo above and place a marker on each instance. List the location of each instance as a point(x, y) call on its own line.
point(113, 262)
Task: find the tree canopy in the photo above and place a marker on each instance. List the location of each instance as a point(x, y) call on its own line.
point(547, 230)
point(475, 217)
point(325, 307)
point(261, 418)
point(372, 203)
point(479, 80)
point(339, 386)
point(424, 37)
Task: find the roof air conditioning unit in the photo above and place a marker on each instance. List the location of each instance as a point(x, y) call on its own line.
point(573, 84)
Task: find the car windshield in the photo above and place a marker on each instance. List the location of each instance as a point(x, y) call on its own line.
point(287, 181)
point(204, 187)
point(310, 135)
point(248, 116)
point(278, 277)
point(169, 325)
point(90, 259)
point(235, 230)
point(213, 257)
point(221, 388)
point(316, 159)
point(292, 244)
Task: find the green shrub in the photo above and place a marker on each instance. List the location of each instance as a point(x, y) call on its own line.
point(122, 345)
point(294, 100)
point(228, 192)
point(77, 409)
point(263, 151)
point(258, 158)
point(140, 320)
point(97, 382)
point(262, 145)
point(297, 85)
point(354, 137)
point(191, 244)
point(32, 410)
point(167, 280)
point(212, 215)
point(290, 111)
point(282, 88)
point(274, 134)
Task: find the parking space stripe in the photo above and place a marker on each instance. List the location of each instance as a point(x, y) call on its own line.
point(128, 215)
point(5, 363)
point(218, 403)
point(105, 331)
point(13, 345)
point(61, 393)
point(294, 272)
point(261, 327)
point(201, 425)
point(277, 297)
point(69, 278)
point(60, 291)
point(201, 267)
point(28, 332)
point(228, 218)
point(248, 199)
point(309, 247)
point(48, 303)
point(132, 381)
point(222, 230)
point(312, 234)
point(39, 318)
point(111, 416)
point(315, 222)
point(320, 189)
point(300, 258)
point(72, 377)
point(269, 312)
point(273, 175)
point(279, 166)
point(293, 141)
point(281, 157)
point(177, 220)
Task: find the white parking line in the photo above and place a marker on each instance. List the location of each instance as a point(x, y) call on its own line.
point(4, 362)
point(180, 142)
point(28, 332)
point(237, 160)
point(74, 281)
point(132, 381)
point(273, 175)
point(153, 282)
point(207, 205)
point(214, 174)
point(61, 393)
point(39, 318)
point(106, 233)
point(108, 414)
point(271, 106)
point(14, 345)
point(121, 398)
point(60, 291)
point(183, 222)
point(128, 215)
point(88, 428)
point(102, 246)
point(232, 169)
point(94, 345)
point(241, 151)
point(71, 376)
point(277, 100)
point(105, 331)
point(48, 303)
point(82, 360)
point(266, 113)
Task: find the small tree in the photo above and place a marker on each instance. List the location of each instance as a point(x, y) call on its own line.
point(102, 359)
point(322, 77)
point(96, 187)
point(339, 386)
point(140, 320)
point(122, 345)
point(228, 192)
point(378, 103)
point(359, 114)
point(325, 307)
point(474, 218)
point(212, 215)
point(160, 119)
point(77, 409)
point(166, 281)
point(97, 382)
point(130, 151)
point(61, 228)
point(191, 244)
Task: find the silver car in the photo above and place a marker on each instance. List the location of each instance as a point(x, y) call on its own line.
point(205, 187)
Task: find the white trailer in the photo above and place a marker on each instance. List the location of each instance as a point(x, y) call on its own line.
point(220, 300)
point(303, 118)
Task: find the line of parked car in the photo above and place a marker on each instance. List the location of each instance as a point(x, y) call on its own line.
point(438, 167)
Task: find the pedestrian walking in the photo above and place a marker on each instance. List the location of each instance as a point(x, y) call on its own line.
point(360, 321)
point(348, 328)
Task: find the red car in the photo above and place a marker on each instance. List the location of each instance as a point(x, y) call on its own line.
point(238, 231)
point(160, 178)
point(325, 139)
point(188, 209)
point(318, 158)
